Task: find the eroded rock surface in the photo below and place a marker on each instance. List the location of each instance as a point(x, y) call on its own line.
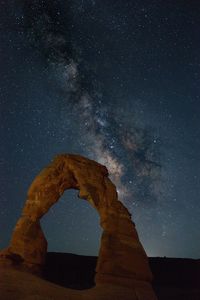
point(122, 260)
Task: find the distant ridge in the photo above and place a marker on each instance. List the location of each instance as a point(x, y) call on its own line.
point(174, 278)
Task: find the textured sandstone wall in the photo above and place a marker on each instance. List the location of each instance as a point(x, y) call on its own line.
point(122, 259)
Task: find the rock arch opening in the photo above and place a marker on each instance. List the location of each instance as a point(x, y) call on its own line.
point(122, 259)
point(72, 226)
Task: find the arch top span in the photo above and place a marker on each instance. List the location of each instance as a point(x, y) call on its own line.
point(69, 171)
point(122, 259)
point(66, 171)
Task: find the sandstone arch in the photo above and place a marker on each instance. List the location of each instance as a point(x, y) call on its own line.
point(122, 259)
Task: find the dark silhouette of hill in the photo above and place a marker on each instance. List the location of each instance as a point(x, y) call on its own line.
point(174, 278)
point(178, 272)
point(70, 270)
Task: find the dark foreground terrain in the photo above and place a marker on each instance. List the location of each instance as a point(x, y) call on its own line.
point(174, 278)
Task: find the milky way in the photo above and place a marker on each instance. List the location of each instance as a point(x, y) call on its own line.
point(107, 139)
point(119, 83)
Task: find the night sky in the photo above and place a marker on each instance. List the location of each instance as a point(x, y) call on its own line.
point(118, 82)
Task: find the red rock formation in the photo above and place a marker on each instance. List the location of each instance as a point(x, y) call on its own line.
point(122, 259)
